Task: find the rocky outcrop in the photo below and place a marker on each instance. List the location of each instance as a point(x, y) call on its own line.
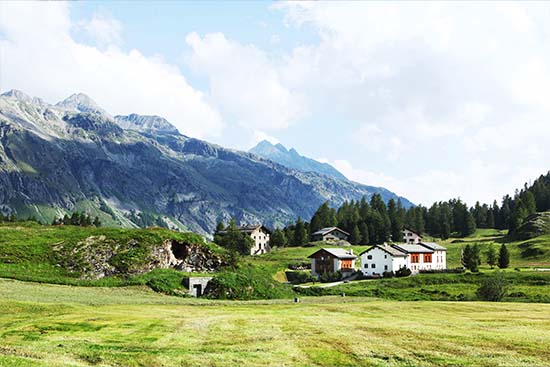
point(97, 256)
point(187, 257)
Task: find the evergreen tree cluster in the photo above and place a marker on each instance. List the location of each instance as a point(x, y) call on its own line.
point(77, 219)
point(372, 222)
point(8, 218)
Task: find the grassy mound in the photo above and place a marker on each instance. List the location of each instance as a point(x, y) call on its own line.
point(247, 283)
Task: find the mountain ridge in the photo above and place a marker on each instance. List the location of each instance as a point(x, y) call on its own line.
point(292, 159)
point(55, 159)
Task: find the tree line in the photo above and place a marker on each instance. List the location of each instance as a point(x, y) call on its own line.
point(374, 221)
point(471, 257)
point(77, 219)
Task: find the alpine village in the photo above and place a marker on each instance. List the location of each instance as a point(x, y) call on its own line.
point(267, 184)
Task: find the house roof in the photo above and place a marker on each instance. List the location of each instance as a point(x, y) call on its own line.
point(249, 228)
point(388, 249)
point(433, 246)
point(326, 230)
point(336, 252)
point(410, 230)
point(413, 248)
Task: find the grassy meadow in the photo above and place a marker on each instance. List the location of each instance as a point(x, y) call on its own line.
point(56, 325)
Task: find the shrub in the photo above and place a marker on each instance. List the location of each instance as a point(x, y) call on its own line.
point(443, 271)
point(403, 272)
point(299, 277)
point(388, 274)
point(330, 277)
point(493, 288)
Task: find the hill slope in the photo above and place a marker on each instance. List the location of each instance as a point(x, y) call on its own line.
point(136, 170)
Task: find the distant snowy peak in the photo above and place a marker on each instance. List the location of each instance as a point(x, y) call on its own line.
point(81, 103)
point(20, 96)
point(292, 159)
point(146, 123)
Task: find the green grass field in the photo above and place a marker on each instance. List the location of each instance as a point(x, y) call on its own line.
point(55, 325)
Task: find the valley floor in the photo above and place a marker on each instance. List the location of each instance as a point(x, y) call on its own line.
point(54, 325)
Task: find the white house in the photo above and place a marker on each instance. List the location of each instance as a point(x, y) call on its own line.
point(416, 257)
point(260, 234)
point(439, 257)
point(410, 236)
point(381, 258)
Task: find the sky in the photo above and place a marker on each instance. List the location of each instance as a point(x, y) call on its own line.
point(431, 100)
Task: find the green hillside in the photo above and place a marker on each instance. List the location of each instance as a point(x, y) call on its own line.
point(70, 254)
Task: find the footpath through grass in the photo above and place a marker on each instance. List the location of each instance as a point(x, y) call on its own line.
point(52, 325)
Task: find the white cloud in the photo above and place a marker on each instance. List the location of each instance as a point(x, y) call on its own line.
point(104, 29)
point(436, 85)
point(244, 82)
point(41, 58)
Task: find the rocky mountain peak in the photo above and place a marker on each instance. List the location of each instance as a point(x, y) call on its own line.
point(292, 159)
point(17, 94)
point(82, 103)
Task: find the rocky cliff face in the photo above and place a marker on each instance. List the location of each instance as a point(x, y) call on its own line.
point(97, 257)
point(139, 171)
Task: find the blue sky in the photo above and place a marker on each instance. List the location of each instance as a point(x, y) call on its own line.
point(431, 100)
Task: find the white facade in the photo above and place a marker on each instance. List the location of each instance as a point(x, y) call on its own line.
point(261, 241)
point(376, 261)
point(416, 257)
point(411, 237)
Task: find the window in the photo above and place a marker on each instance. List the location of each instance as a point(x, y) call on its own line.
point(385, 267)
point(415, 258)
point(366, 266)
point(373, 266)
point(385, 256)
point(427, 258)
point(369, 257)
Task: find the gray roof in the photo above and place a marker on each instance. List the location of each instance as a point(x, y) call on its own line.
point(410, 230)
point(248, 229)
point(387, 248)
point(338, 253)
point(434, 246)
point(326, 230)
point(413, 248)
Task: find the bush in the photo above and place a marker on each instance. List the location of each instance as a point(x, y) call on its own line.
point(403, 272)
point(247, 283)
point(299, 277)
point(493, 288)
point(330, 277)
point(388, 274)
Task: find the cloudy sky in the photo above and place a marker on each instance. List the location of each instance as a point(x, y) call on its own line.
point(430, 100)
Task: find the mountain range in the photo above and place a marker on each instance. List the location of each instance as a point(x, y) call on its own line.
point(138, 170)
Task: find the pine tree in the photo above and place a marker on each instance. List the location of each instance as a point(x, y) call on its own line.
point(503, 257)
point(300, 234)
point(278, 239)
point(355, 236)
point(466, 257)
point(364, 230)
point(491, 256)
point(395, 222)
